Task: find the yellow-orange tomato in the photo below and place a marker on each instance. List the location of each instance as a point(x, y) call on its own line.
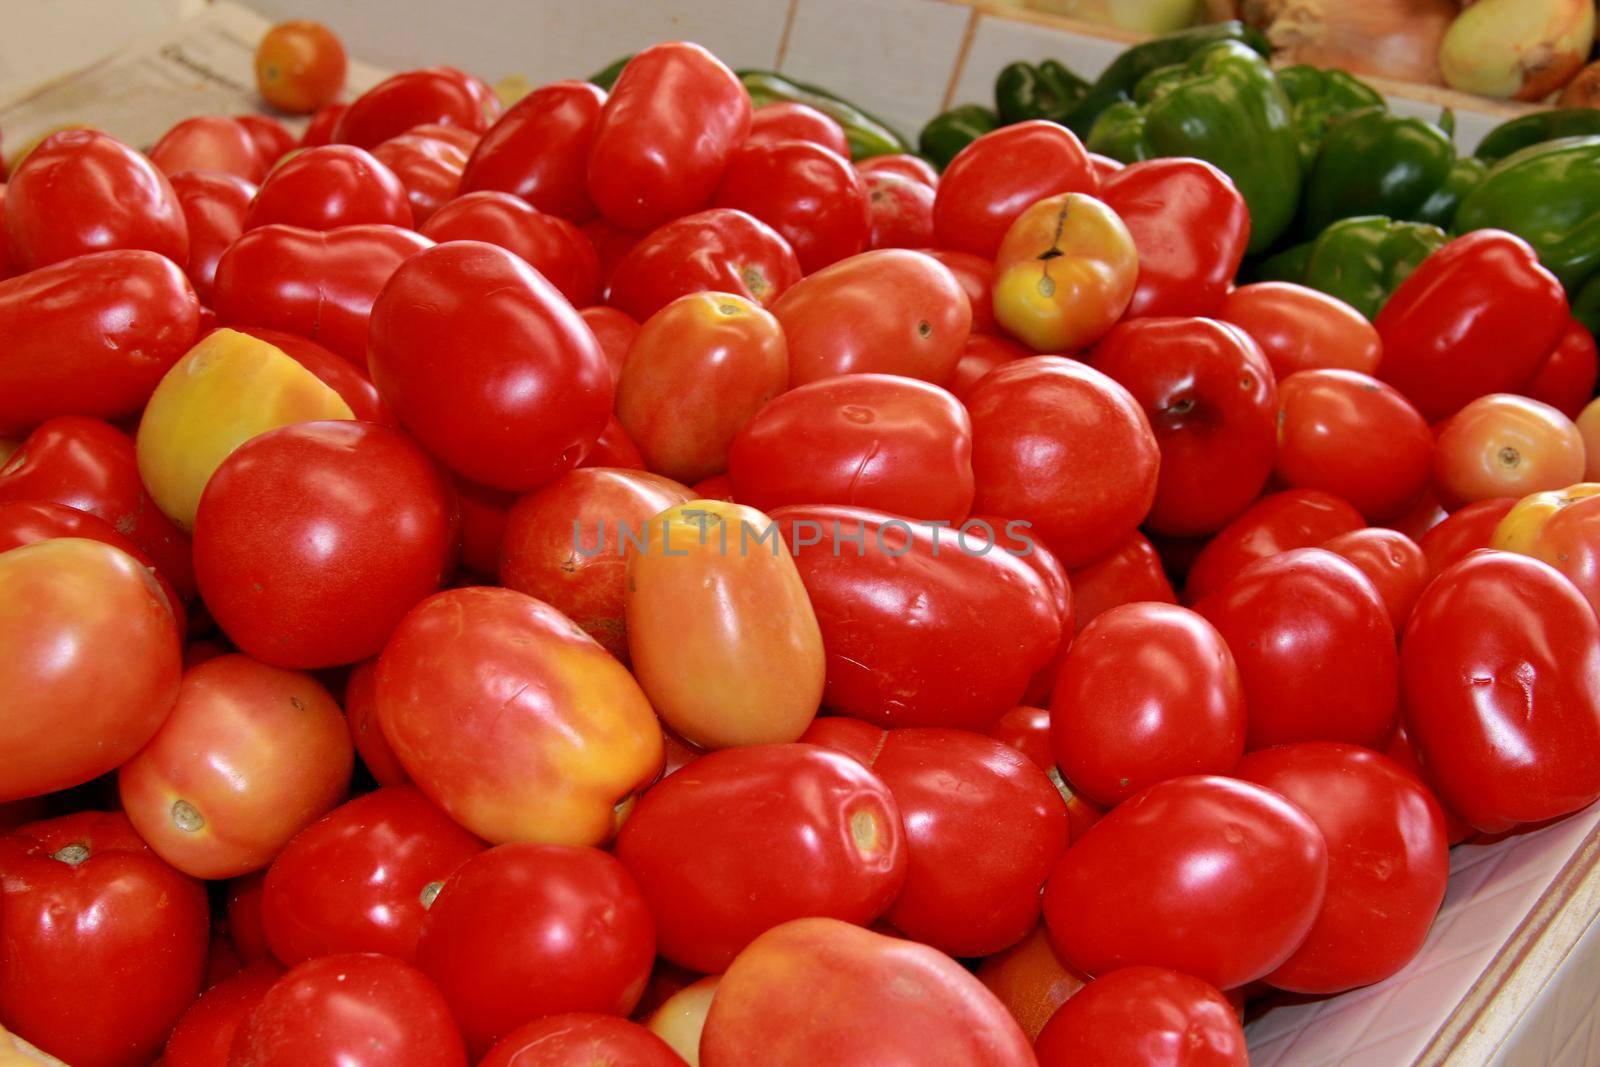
point(250, 755)
point(681, 1017)
point(720, 628)
point(1064, 274)
point(1589, 427)
point(227, 389)
point(1505, 445)
point(1030, 980)
point(1562, 528)
point(696, 372)
point(300, 66)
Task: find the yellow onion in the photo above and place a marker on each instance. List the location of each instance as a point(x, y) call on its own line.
point(1582, 91)
point(1141, 16)
point(1517, 49)
point(1396, 39)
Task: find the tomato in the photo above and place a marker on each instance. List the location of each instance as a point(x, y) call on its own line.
point(1129, 573)
point(102, 946)
point(615, 330)
point(613, 448)
point(720, 250)
point(273, 140)
point(81, 191)
point(245, 927)
point(343, 377)
point(1035, 418)
point(828, 841)
point(681, 1017)
point(1588, 423)
point(432, 96)
point(922, 628)
point(554, 246)
point(327, 187)
point(914, 167)
point(870, 440)
point(809, 194)
point(539, 150)
point(891, 311)
point(1295, 518)
point(324, 125)
point(1421, 517)
point(90, 336)
point(821, 984)
point(5, 254)
point(1354, 436)
point(1391, 561)
point(312, 541)
point(1147, 692)
point(214, 206)
point(695, 374)
point(513, 720)
point(1387, 861)
point(975, 275)
point(665, 134)
point(1505, 445)
point(319, 285)
point(300, 66)
point(249, 756)
point(351, 1010)
point(1404, 755)
point(999, 176)
point(1064, 274)
point(1148, 1015)
point(1299, 328)
point(1560, 528)
point(209, 143)
point(1211, 402)
point(1464, 532)
point(205, 1032)
point(982, 354)
point(902, 211)
point(1030, 980)
point(92, 661)
point(789, 120)
point(487, 366)
point(580, 1039)
point(428, 160)
point(522, 931)
point(1566, 378)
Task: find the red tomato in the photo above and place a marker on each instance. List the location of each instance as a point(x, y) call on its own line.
point(102, 946)
point(1501, 705)
point(1566, 378)
point(211, 143)
point(91, 336)
point(615, 330)
point(361, 716)
point(892, 311)
point(1147, 1015)
point(549, 243)
point(1148, 692)
point(829, 841)
point(1296, 622)
point(1211, 402)
point(821, 984)
point(205, 1032)
point(1505, 445)
point(1464, 532)
point(869, 440)
point(1030, 980)
point(1404, 754)
point(1560, 528)
point(300, 66)
point(1391, 561)
point(523, 931)
point(975, 275)
point(914, 167)
point(1210, 876)
point(1421, 517)
point(581, 1039)
point(319, 285)
point(1295, 518)
point(720, 250)
point(788, 120)
point(324, 125)
point(1026, 729)
point(342, 376)
point(432, 96)
point(353, 1010)
point(1105, 166)
point(214, 207)
point(1387, 861)
point(328, 187)
point(539, 150)
point(810, 195)
point(901, 209)
point(1000, 175)
point(488, 366)
point(5, 253)
point(272, 138)
point(428, 160)
point(1299, 328)
point(1036, 417)
point(80, 191)
point(613, 448)
point(982, 354)
point(1129, 573)
point(245, 927)
point(665, 134)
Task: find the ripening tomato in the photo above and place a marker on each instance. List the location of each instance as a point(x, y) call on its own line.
point(1588, 423)
point(343, 377)
point(674, 116)
point(982, 354)
point(1300, 328)
point(720, 250)
point(513, 720)
point(789, 120)
point(327, 187)
point(1465, 531)
point(829, 842)
point(809, 194)
point(550, 244)
point(901, 209)
point(249, 756)
point(993, 180)
point(300, 66)
point(213, 143)
point(214, 206)
point(1558, 527)
point(1129, 573)
point(1505, 445)
point(581, 1039)
point(205, 1032)
point(272, 138)
point(1064, 274)
point(1391, 561)
point(539, 150)
point(1566, 378)
point(1147, 1015)
point(975, 275)
point(1030, 980)
point(432, 96)
point(428, 160)
point(680, 1019)
point(1294, 518)
point(914, 167)
point(615, 331)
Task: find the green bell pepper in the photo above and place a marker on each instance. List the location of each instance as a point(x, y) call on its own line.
point(1223, 106)
point(1046, 90)
point(1376, 163)
point(1465, 175)
point(1287, 266)
point(867, 134)
point(607, 76)
point(1549, 195)
point(1318, 98)
point(1363, 260)
point(1586, 305)
point(1541, 126)
point(947, 134)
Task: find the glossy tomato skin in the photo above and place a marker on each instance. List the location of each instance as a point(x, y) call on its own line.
point(581, 1039)
point(342, 376)
point(488, 366)
point(1465, 531)
point(539, 150)
point(615, 330)
point(1000, 175)
point(975, 275)
point(1388, 861)
point(513, 720)
point(91, 336)
point(1033, 419)
point(917, 631)
point(829, 842)
point(1299, 328)
point(324, 125)
point(214, 206)
point(666, 132)
point(1064, 274)
point(1559, 528)
point(212, 143)
point(327, 187)
point(525, 930)
point(809, 194)
point(718, 250)
point(901, 210)
point(1129, 573)
point(982, 354)
point(102, 945)
point(1030, 980)
point(1147, 692)
point(820, 983)
point(1505, 445)
point(272, 138)
point(428, 160)
point(440, 96)
point(205, 1032)
point(1391, 561)
point(319, 285)
point(1401, 751)
point(1211, 401)
point(1146, 1015)
point(867, 440)
point(1502, 709)
point(1240, 871)
point(790, 120)
point(1566, 378)
point(549, 243)
point(81, 191)
point(350, 1010)
point(914, 167)
point(1278, 522)
point(300, 66)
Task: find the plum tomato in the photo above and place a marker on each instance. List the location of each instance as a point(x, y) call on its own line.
point(809, 194)
point(1505, 445)
point(1145, 1015)
point(1000, 175)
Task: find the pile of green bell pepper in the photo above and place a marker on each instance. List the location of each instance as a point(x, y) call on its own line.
point(1359, 260)
point(1549, 195)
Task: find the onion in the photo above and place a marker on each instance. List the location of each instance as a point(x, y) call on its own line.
point(1584, 90)
point(1396, 39)
point(1142, 16)
point(1517, 49)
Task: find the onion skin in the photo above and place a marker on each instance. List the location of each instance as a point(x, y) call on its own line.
point(1396, 39)
point(1583, 90)
point(1517, 49)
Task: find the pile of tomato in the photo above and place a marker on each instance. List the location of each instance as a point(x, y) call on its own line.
point(617, 582)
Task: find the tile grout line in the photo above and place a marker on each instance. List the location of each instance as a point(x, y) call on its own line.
point(783, 39)
point(961, 58)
